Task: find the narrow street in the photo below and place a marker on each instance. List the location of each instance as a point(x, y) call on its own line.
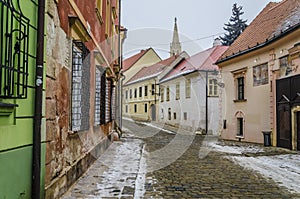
point(151, 163)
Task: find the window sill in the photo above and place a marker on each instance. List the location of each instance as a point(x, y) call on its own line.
point(6, 109)
point(242, 100)
point(239, 137)
point(215, 96)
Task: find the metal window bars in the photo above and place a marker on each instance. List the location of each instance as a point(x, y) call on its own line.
point(79, 53)
point(14, 48)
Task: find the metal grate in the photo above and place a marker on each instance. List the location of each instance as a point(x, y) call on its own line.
point(97, 96)
point(14, 38)
point(103, 98)
point(80, 87)
point(99, 92)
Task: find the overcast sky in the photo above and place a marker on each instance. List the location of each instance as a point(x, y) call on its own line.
point(150, 23)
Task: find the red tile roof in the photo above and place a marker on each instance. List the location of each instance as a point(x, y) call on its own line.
point(271, 22)
point(152, 71)
point(201, 61)
point(129, 62)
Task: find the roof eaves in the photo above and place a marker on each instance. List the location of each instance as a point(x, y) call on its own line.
point(258, 46)
point(177, 76)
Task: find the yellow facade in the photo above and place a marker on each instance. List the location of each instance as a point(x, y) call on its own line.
point(149, 58)
point(139, 100)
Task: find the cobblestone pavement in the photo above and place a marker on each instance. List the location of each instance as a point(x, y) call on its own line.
point(187, 176)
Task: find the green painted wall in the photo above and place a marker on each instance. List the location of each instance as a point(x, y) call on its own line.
point(16, 125)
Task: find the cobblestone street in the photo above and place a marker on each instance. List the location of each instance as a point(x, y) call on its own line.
point(126, 170)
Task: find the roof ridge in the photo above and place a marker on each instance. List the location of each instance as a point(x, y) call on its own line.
point(277, 4)
point(209, 55)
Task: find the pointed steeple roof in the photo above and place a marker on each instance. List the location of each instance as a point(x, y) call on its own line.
point(175, 47)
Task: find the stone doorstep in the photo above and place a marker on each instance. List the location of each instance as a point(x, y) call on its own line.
point(62, 183)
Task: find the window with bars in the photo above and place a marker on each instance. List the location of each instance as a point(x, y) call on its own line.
point(108, 110)
point(99, 75)
point(103, 98)
point(14, 45)
point(97, 95)
point(80, 87)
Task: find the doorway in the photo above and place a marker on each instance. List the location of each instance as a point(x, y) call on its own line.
point(153, 112)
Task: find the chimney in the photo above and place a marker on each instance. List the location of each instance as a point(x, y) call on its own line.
point(217, 42)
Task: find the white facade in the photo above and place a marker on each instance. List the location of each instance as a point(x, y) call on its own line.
point(189, 111)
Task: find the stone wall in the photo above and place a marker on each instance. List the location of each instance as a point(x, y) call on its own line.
point(68, 154)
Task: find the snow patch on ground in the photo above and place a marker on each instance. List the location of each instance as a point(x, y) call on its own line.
point(283, 169)
point(235, 149)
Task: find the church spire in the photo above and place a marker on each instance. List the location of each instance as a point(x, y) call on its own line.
point(175, 47)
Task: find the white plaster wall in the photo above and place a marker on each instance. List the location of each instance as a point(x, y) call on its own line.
point(193, 106)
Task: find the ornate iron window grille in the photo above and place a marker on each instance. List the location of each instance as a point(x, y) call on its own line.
point(103, 98)
point(97, 96)
point(14, 44)
point(80, 86)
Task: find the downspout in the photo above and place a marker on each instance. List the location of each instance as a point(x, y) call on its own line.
point(119, 79)
point(36, 153)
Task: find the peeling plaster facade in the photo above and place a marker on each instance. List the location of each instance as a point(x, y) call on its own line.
point(80, 112)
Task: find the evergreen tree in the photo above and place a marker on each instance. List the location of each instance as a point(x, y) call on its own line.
point(234, 27)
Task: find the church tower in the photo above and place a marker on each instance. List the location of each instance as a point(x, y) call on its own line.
point(175, 47)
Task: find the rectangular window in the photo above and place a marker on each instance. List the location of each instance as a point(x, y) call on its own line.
point(99, 11)
point(126, 108)
point(168, 93)
point(108, 19)
point(130, 93)
point(108, 105)
point(174, 114)
point(240, 88)
point(97, 96)
point(80, 87)
point(178, 91)
point(135, 108)
point(140, 91)
point(185, 115)
point(135, 93)
point(169, 114)
point(126, 94)
point(187, 88)
point(153, 89)
point(146, 108)
point(162, 94)
point(240, 126)
point(103, 97)
point(146, 91)
point(14, 53)
point(212, 87)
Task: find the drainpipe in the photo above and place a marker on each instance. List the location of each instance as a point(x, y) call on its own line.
point(36, 154)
